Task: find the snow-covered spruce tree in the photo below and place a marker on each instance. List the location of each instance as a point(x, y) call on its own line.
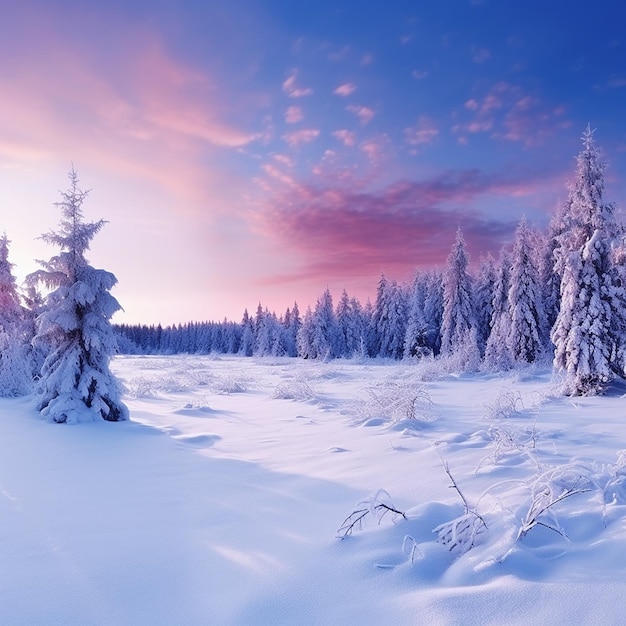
point(246, 347)
point(11, 311)
point(76, 382)
point(392, 332)
point(497, 354)
point(324, 331)
point(389, 320)
point(305, 336)
point(16, 363)
point(344, 326)
point(525, 300)
point(416, 339)
point(483, 299)
point(291, 324)
point(433, 308)
point(458, 305)
point(589, 332)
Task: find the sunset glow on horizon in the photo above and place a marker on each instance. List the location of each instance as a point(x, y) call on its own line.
point(266, 151)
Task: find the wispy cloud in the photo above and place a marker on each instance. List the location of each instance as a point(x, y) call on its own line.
point(345, 90)
point(507, 112)
point(367, 59)
point(148, 117)
point(419, 74)
point(340, 54)
point(423, 133)
point(616, 82)
point(293, 115)
point(298, 137)
point(365, 114)
point(340, 231)
point(274, 172)
point(284, 160)
point(292, 90)
point(347, 137)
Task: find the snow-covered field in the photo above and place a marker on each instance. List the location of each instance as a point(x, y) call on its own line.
point(222, 500)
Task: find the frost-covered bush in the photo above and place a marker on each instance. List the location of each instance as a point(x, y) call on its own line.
point(293, 390)
point(396, 401)
point(231, 384)
point(507, 404)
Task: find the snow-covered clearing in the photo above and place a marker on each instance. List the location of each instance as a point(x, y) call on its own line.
point(220, 501)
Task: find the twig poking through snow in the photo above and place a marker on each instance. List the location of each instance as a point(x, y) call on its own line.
point(372, 506)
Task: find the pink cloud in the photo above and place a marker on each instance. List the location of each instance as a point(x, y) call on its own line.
point(293, 115)
point(423, 133)
point(339, 231)
point(419, 74)
point(273, 172)
point(375, 148)
point(298, 137)
point(365, 114)
point(506, 112)
point(283, 159)
point(347, 137)
point(290, 88)
point(367, 59)
point(345, 90)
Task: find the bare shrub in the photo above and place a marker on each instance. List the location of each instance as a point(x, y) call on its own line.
point(377, 506)
point(460, 534)
point(549, 489)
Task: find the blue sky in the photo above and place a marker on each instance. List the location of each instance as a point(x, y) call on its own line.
point(250, 151)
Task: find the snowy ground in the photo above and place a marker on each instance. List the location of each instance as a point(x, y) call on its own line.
point(220, 502)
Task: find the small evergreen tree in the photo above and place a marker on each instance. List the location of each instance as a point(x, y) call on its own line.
point(76, 383)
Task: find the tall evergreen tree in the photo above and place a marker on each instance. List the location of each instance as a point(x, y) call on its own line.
point(458, 305)
point(416, 340)
point(305, 336)
point(483, 299)
point(11, 311)
point(525, 299)
point(497, 354)
point(589, 332)
point(344, 325)
point(76, 381)
point(433, 308)
point(324, 332)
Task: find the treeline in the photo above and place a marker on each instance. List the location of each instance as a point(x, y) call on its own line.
point(557, 294)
